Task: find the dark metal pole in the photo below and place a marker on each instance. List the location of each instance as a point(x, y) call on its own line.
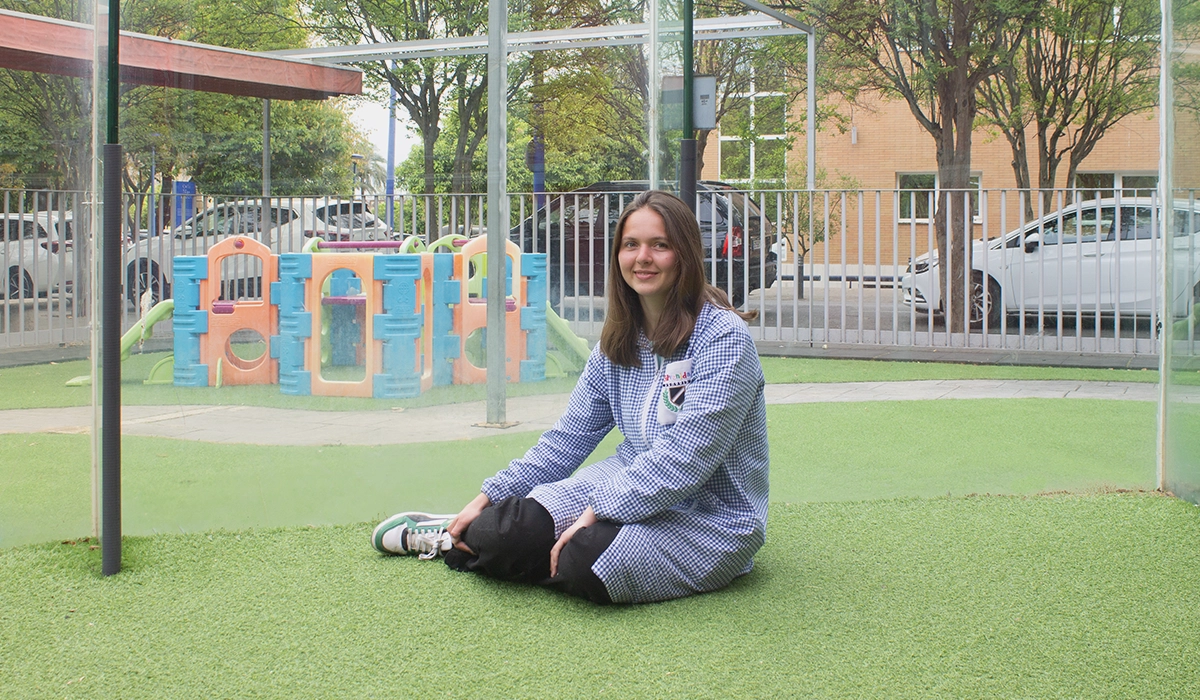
point(264, 212)
point(390, 182)
point(110, 314)
point(687, 145)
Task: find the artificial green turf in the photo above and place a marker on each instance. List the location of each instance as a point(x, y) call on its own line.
point(984, 597)
point(793, 370)
point(890, 449)
point(819, 452)
point(36, 386)
point(44, 386)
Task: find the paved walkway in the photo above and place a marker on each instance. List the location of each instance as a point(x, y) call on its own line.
point(278, 426)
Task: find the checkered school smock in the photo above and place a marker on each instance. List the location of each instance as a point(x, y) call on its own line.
point(691, 497)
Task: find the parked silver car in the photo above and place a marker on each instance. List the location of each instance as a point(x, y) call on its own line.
point(1097, 256)
point(36, 253)
point(292, 221)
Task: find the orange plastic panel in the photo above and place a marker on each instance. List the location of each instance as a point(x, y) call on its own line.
point(471, 315)
point(363, 267)
point(246, 314)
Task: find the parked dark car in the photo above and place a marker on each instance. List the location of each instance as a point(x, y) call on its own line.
point(576, 229)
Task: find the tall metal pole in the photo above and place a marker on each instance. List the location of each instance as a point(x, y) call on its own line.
point(497, 216)
point(111, 301)
point(687, 145)
point(390, 180)
point(810, 122)
point(265, 211)
point(655, 97)
point(1166, 185)
point(153, 213)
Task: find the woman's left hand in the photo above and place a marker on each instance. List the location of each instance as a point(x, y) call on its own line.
point(588, 517)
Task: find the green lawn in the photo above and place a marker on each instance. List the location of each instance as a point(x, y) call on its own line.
point(45, 385)
point(791, 370)
point(985, 597)
point(965, 548)
point(899, 449)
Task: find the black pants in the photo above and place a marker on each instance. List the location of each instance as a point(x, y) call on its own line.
point(512, 540)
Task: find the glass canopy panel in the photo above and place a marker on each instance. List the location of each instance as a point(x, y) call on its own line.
point(1181, 414)
point(46, 253)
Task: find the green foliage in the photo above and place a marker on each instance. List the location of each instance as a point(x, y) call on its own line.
point(1079, 68)
point(217, 140)
point(45, 120)
point(591, 116)
point(427, 88)
point(574, 158)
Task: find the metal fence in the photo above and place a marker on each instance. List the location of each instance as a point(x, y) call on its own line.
point(44, 270)
point(1065, 271)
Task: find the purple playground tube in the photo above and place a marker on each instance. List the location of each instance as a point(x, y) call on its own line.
point(360, 244)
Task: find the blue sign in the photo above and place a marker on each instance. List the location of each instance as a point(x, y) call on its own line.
point(184, 205)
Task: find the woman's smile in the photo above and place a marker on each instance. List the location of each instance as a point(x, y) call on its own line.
point(646, 258)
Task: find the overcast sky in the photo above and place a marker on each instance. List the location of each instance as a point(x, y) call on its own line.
point(373, 118)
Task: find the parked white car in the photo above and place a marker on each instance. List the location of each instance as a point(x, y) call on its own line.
point(292, 222)
point(1093, 256)
point(36, 254)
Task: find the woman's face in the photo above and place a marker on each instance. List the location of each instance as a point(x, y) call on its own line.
point(646, 257)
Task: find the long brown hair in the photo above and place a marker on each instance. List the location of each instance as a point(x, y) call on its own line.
point(623, 318)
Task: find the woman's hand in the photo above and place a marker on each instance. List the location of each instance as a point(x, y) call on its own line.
point(464, 518)
point(588, 517)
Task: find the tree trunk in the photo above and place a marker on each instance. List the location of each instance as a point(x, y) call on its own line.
point(428, 138)
point(1049, 159)
point(957, 105)
point(701, 144)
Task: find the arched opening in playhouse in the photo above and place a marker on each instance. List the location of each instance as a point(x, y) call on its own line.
point(343, 322)
point(241, 278)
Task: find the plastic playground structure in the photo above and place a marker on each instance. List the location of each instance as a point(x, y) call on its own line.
point(378, 319)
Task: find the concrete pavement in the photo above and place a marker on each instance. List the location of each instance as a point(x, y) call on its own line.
point(276, 426)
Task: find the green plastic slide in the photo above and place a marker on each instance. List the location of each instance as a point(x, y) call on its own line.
point(139, 333)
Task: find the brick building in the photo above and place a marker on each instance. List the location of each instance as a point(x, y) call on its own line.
point(891, 161)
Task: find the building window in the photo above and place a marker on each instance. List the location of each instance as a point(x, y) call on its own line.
point(1101, 185)
point(919, 191)
point(753, 138)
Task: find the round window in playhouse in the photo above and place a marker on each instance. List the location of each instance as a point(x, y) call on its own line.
point(475, 348)
point(246, 349)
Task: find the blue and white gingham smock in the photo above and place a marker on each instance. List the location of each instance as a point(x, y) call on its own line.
point(691, 497)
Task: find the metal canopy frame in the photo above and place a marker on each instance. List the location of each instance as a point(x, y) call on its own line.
point(497, 44)
point(714, 28)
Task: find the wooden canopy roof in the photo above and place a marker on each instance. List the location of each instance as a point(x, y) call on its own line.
point(45, 45)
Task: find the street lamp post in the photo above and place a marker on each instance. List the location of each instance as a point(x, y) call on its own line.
point(154, 230)
point(355, 159)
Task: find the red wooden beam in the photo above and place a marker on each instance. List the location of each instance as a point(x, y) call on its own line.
point(45, 45)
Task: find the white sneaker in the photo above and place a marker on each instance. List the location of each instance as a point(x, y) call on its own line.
point(413, 532)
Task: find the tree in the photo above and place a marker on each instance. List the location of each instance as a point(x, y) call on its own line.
point(1083, 66)
point(217, 139)
point(592, 115)
point(46, 132)
point(424, 85)
point(934, 54)
point(775, 64)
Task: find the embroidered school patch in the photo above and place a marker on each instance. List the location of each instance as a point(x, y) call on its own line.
point(675, 380)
